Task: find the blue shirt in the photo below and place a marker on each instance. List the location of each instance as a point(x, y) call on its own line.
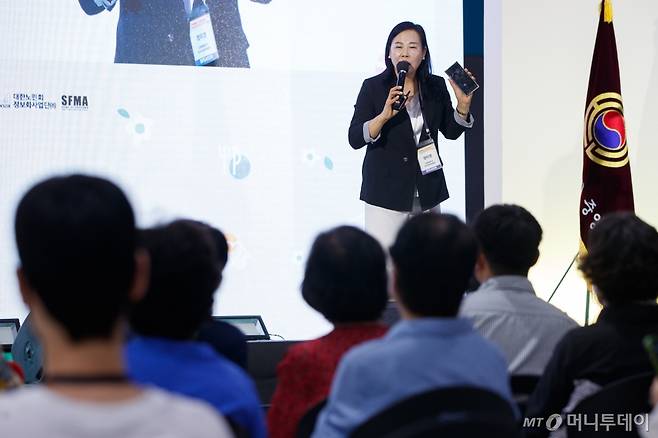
point(194, 369)
point(415, 356)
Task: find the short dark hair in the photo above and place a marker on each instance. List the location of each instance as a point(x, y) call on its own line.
point(425, 68)
point(184, 277)
point(434, 256)
point(509, 238)
point(219, 240)
point(76, 242)
point(345, 277)
point(221, 245)
point(622, 259)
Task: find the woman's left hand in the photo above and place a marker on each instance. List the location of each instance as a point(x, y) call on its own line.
point(463, 100)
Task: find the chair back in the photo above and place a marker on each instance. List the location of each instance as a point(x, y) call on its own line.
point(262, 360)
point(307, 423)
point(460, 411)
point(27, 351)
point(470, 427)
point(522, 386)
point(619, 400)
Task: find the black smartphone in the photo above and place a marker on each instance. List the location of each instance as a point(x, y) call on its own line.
point(457, 73)
point(650, 343)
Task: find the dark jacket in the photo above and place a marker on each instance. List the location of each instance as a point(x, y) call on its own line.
point(390, 168)
point(609, 350)
point(226, 340)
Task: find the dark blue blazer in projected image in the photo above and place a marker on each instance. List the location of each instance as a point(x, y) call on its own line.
point(390, 168)
point(158, 32)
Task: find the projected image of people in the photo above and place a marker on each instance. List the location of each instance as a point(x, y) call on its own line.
point(177, 32)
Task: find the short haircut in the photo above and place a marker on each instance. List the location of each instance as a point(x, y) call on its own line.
point(622, 259)
point(219, 240)
point(345, 277)
point(184, 277)
point(221, 245)
point(434, 256)
point(76, 242)
point(509, 238)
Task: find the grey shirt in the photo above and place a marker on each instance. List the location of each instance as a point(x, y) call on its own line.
point(36, 411)
point(506, 310)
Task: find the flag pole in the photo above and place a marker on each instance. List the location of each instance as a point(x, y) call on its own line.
point(562, 279)
point(587, 308)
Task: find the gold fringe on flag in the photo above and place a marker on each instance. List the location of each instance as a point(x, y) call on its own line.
point(607, 11)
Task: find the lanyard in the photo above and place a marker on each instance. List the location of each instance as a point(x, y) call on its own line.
point(422, 143)
point(189, 6)
point(422, 113)
point(86, 380)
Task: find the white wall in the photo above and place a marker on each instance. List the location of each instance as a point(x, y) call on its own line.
point(537, 74)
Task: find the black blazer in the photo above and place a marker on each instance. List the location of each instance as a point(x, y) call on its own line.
point(390, 168)
point(226, 340)
point(158, 32)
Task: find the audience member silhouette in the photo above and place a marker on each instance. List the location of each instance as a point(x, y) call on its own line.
point(164, 352)
point(621, 264)
point(80, 269)
point(505, 308)
point(345, 280)
point(433, 259)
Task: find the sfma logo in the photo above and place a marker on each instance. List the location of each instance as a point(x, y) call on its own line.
point(77, 103)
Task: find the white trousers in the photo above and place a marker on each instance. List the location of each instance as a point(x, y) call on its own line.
point(383, 224)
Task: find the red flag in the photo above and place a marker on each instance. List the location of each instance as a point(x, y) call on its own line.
point(607, 185)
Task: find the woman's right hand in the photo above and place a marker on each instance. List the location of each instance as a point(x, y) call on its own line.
point(393, 95)
point(375, 125)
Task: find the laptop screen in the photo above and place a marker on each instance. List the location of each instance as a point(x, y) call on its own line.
point(251, 326)
point(8, 332)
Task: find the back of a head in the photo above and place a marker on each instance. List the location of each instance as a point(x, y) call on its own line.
point(434, 256)
point(345, 277)
point(219, 240)
point(221, 245)
point(184, 276)
point(622, 259)
point(76, 242)
point(509, 237)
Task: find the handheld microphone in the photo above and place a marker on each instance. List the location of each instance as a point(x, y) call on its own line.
point(402, 67)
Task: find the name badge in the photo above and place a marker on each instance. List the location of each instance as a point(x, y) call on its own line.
point(428, 157)
point(202, 36)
